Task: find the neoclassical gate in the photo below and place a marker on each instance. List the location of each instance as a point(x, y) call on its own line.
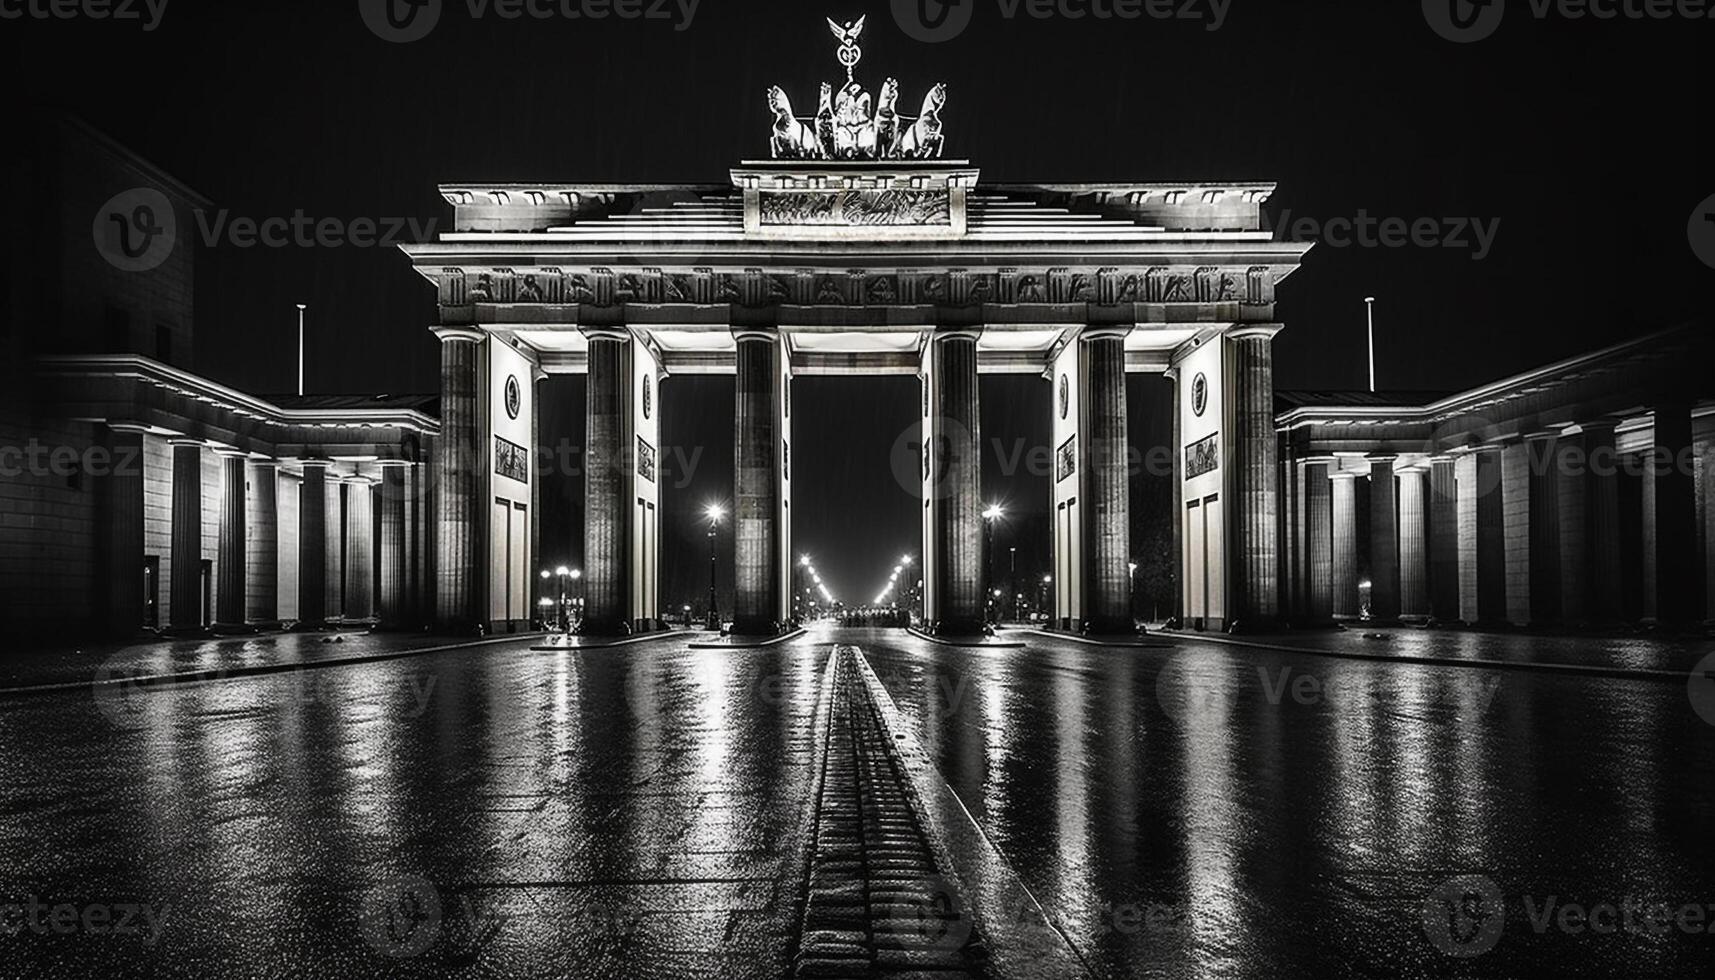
point(857, 250)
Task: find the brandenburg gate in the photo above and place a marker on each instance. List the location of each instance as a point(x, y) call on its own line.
point(856, 249)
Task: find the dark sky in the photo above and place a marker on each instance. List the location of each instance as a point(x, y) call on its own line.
point(1580, 137)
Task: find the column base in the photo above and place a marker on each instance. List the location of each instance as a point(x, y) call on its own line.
point(1111, 627)
point(960, 627)
point(756, 627)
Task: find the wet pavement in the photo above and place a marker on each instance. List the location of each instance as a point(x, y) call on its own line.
point(1193, 809)
point(633, 812)
point(1203, 810)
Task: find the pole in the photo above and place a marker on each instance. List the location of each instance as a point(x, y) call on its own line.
point(714, 615)
point(300, 350)
point(1370, 309)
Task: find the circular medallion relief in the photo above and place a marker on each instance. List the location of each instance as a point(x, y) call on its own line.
point(1199, 395)
point(514, 397)
point(648, 396)
point(1065, 396)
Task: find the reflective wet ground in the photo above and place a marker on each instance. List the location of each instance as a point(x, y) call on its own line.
point(1205, 810)
point(1186, 810)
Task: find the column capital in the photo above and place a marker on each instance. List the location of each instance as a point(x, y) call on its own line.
point(185, 442)
point(229, 452)
point(1255, 331)
point(315, 463)
point(130, 428)
point(955, 332)
point(1381, 457)
point(605, 333)
point(1599, 425)
point(742, 332)
point(1105, 331)
point(1343, 475)
point(448, 335)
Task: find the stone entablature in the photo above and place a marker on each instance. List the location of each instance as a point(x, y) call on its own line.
point(1249, 289)
point(1618, 382)
point(135, 391)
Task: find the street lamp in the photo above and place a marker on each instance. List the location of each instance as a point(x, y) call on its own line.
point(562, 573)
point(714, 514)
point(991, 514)
point(1131, 589)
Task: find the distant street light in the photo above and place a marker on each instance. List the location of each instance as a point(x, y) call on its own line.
point(714, 514)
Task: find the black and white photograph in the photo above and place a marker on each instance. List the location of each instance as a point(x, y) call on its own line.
point(846, 489)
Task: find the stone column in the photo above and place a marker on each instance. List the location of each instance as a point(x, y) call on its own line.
point(1413, 545)
point(1345, 554)
point(1482, 544)
point(1570, 467)
point(1515, 522)
point(119, 533)
point(1176, 611)
point(312, 544)
point(392, 552)
point(262, 576)
point(1106, 486)
point(1318, 543)
point(607, 484)
point(461, 559)
point(1385, 540)
point(955, 460)
point(1678, 583)
point(231, 563)
point(186, 612)
point(333, 575)
point(757, 490)
point(1605, 559)
point(1544, 489)
point(1443, 541)
point(1254, 484)
point(1706, 528)
point(359, 549)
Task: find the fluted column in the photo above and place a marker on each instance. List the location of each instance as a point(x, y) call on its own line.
point(1544, 488)
point(1177, 611)
point(1677, 580)
point(186, 613)
point(262, 527)
point(333, 576)
point(392, 553)
point(461, 566)
point(1318, 543)
point(1482, 544)
point(954, 439)
point(231, 562)
point(1345, 533)
point(1384, 542)
point(312, 544)
point(1106, 486)
point(1413, 544)
point(1443, 541)
point(1255, 484)
point(607, 463)
point(757, 489)
point(119, 506)
point(1604, 557)
point(1571, 466)
point(359, 549)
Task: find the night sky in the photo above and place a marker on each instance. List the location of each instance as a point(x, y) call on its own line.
point(1580, 137)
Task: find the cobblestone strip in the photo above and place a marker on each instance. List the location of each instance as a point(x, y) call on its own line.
point(877, 904)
